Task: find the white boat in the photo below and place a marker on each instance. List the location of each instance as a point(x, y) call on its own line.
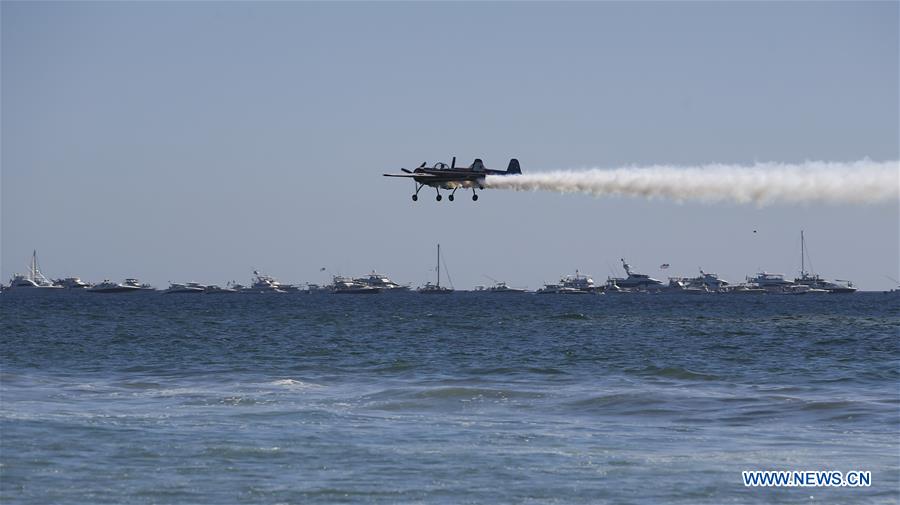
point(33, 280)
point(137, 284)
point(380, 281)
point(108, 286)
point(348, 286)
point(499, 287)
point(634, 281)
point(817, 283)
point(215, 289)
point(72, 283)
point(263, 283)
point(570, 285)
point(769, 281)
point(435, 289)
point(179, 288)
point(317, 289)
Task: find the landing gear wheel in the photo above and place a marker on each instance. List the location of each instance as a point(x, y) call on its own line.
point(415, 198)
point(474, 198)
point(439, 198)
point(450, 197)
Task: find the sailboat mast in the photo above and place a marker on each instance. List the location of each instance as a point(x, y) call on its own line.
point(439, 265)
point(34, 264)
point(802, 254)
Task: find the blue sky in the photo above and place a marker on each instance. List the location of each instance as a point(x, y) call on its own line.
point(200, 141)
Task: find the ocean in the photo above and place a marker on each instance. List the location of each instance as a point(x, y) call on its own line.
point(464, 398)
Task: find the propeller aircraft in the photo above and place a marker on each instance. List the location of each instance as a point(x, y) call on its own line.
point(450, 177)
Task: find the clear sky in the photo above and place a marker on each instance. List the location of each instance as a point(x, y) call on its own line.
point(176, 141)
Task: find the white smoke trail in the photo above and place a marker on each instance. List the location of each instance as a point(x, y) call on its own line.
point(863, 181)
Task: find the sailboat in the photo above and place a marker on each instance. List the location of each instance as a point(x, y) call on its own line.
point(34, 279)
point(816, 283)
point(436, 289)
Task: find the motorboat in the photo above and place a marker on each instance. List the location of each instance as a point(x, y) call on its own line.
point(263, 283)
point(215, 289)
point(71, 283)
point(744, 289)
point(577, 282)
point(501, 287)
point(190, 287)
point(634, 280)
point(380, 281)
point(549, 289)
point(138, 284)
point(317, 289)
point(346, 285)
point(108, 286)
point(770, 282)
point(33, 280)
point(570, 285)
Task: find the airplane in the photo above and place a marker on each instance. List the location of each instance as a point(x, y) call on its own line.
point(442, 176)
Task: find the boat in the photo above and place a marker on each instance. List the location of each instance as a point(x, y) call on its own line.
point(501, 287)
point(769, 281)
point(814, 281)
point(263, 283)
point(347, 286)
point(685, 286)
point(108, 286)
point(435, 289)
point(549, 289)
point(380, 281)
point(215, 289)
point(34, 280)
point(71, 283)
point(743, 289)
point(190, 287)
point(635, 281)
point(317, 289)
point(137, 284)
point(577, 284)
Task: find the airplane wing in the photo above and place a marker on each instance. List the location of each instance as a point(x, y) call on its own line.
point(446, 177)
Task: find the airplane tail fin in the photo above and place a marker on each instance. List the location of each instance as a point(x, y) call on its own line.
point(513, 167)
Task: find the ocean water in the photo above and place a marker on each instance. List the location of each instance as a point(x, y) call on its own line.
point(465, 398)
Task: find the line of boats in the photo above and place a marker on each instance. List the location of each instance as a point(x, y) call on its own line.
point(373, 283)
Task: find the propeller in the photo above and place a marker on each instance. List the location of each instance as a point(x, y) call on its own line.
point(408, 171)
point(453, 163)
point(423, 164)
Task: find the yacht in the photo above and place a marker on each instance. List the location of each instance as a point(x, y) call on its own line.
point(137, 284)
point(71, 283)
point(108, 286)
point(635, 280)
point(215, 289)
point(348, 286)
point(685, 286)
point(743, 289)
point(549, 289)
point(578, 282)
point(263, 283)
point(817, 283)
point(770, 282)
point(380, 281)
point(501, 287)
point(317, 289)
point(34, 280)
point(435, 289)
point(190, 287)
